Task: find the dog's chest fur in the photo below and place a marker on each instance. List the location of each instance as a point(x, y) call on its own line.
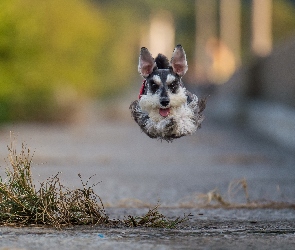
point(182, 114)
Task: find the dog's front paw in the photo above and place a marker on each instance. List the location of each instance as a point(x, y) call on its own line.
point(136, 111)
point(142, 119)
point(134, 106)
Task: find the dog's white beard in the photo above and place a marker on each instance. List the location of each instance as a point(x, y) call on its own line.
point(182, 113)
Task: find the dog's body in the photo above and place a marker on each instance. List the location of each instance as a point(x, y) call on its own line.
point(165, 109)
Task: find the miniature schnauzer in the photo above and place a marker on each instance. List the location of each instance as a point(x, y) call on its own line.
point(165, 109)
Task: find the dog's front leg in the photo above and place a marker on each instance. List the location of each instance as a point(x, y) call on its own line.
point(142, 119)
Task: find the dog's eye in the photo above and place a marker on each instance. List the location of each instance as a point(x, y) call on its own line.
point(154, 86)
point(173, 87)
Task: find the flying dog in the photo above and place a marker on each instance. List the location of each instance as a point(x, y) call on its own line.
point(165, 109)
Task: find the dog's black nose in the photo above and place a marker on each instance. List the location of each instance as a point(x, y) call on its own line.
point(164, 102)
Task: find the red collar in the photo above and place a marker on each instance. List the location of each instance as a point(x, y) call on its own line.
point(141, 91)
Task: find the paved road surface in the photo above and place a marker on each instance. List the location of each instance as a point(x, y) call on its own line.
point(208, 229)
point(131, 166)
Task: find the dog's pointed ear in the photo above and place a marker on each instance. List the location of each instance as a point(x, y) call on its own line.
point(178, 61)
point(146, 63)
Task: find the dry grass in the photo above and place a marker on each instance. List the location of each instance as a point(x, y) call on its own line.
point(52, 204)
point(154, 219)
point(22, 204)
point(214, 199)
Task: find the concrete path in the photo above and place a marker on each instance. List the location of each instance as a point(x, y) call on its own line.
point(208, 229)
point(134, 170)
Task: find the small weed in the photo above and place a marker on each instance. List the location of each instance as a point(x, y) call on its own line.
point(154, 219)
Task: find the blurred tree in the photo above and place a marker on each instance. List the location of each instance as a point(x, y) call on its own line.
point(55, 53)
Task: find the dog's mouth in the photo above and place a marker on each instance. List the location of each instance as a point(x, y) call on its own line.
point(164, 112)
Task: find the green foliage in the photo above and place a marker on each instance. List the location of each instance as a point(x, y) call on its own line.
point(55, 53)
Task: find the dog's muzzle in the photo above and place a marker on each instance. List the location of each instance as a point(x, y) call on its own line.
point(164, 101)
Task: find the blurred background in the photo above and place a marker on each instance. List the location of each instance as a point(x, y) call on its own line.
point(68, 73)
point(57, 54)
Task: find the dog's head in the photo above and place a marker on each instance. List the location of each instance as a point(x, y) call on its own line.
point(163, 89)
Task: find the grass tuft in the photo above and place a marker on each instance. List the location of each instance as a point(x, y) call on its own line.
point(154, 218)
point(52, 204)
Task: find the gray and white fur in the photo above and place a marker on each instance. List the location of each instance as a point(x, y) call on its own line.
point(166, 110)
